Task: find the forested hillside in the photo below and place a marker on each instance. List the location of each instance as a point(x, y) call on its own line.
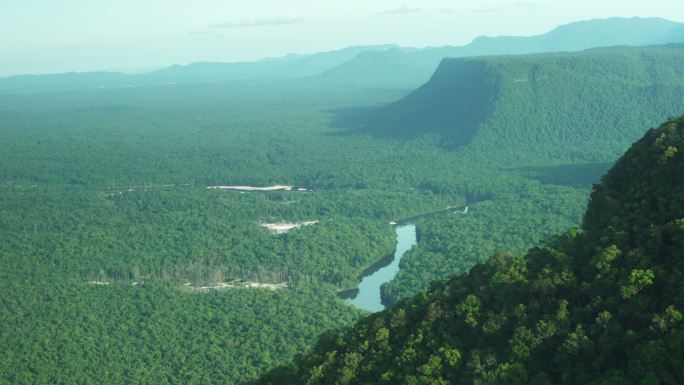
point(600, 305)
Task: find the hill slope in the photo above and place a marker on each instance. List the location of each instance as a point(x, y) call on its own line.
point(411, 68)
point(600, 306)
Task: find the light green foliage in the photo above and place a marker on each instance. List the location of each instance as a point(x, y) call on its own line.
point(604, 260)
point(469, 309)
point(637, 281)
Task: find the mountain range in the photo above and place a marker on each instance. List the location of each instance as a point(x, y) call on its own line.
point(368, 66)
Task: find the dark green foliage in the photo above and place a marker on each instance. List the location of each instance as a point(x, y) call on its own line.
point(600, 306)
point(67, 332)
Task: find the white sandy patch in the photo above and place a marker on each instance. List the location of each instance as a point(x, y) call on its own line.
point(279, 228)
point(252, 188)
point(269, 286)
point(241, 285)
point(97, 283)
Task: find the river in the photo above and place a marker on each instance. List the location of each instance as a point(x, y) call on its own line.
point(368, 297)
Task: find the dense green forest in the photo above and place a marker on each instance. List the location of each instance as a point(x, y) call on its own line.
point(116, 257)
point(69, 333)
point(600, 305)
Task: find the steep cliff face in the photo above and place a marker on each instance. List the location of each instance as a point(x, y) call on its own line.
point(457, 99)
point(598, 306)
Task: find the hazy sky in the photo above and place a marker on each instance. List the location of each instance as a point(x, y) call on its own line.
point(46, 36)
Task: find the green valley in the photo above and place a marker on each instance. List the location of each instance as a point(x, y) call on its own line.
point(142, 240)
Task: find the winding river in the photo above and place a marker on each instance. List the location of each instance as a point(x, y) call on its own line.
point(368, 297)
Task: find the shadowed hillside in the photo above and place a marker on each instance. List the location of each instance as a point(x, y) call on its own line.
point(458, 98)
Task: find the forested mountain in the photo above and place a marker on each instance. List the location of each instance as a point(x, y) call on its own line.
point(600, 305)
point(547, 99)
point(411, 68)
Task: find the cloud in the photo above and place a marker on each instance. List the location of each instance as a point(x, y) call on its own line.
point(203, 32)
point(260, 22)
point(487, 10)
point(447, 11)
point(403, 10)
point(527, 4)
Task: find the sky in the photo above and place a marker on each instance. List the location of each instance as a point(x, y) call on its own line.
point(52, 36)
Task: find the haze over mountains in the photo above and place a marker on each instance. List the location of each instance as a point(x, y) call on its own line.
point(415, 67)
point(382, 65)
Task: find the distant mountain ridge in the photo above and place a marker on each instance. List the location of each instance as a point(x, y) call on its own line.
point(290, 66)
point(293, 65)
point(583, 35)
point(412, 68)
point(370, 66)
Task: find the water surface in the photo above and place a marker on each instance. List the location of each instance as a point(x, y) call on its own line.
point(368, 297)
